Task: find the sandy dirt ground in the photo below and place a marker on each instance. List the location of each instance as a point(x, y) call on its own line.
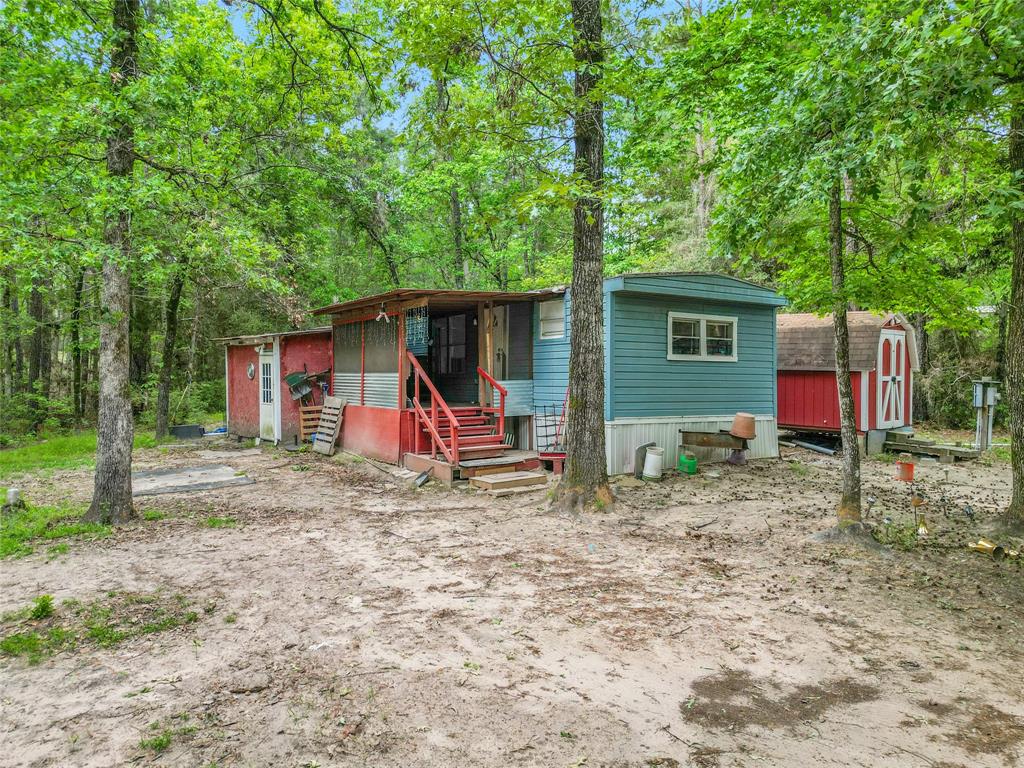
point(347, 620)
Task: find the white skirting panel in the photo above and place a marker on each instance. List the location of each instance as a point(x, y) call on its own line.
point(624, 435)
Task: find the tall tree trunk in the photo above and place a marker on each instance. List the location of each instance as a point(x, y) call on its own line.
point(37, 342)
point(1014, 357)
point(19, 355)
point(112, 493)
point(849, 505)
point(461, 262)
point(585, 481)
point(9, 334)
point(75, 331)
point(919, 406)
point(163, 396)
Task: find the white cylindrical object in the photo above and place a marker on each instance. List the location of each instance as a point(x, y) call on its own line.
point(653, 463)
point(13, 496)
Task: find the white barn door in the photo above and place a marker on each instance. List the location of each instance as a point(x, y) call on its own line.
point(891, 377)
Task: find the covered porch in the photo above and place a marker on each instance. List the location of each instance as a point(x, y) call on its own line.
point(445, 375)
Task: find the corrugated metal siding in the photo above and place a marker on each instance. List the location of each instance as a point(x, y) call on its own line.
point(381, 388)
point(551, 363)
point(645, 383)
point(519, 400)
point(623, 436)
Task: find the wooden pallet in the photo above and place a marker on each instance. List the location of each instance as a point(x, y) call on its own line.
point(897, 442)
point(505, 480)
point(309, 421)
point(330, 425)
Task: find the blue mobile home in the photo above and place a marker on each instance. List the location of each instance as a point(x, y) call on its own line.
point(463, 376)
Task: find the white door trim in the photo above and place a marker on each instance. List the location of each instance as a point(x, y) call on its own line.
point(277, 389)
point(890, 388)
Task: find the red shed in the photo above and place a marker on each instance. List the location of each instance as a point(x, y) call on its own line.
point(883, 358)
point(260, 402)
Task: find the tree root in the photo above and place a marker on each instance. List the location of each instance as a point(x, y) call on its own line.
point(576, 500)
point(848, 534)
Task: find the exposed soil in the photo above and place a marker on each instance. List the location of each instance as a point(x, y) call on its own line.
point(344, 619)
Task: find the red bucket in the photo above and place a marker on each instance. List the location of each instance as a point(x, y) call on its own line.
point(905, 471)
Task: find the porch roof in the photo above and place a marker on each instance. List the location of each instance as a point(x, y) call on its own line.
point(256, 337)
point(440, 297)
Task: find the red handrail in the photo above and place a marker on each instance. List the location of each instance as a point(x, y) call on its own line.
point(430, 422)
point(501, 391)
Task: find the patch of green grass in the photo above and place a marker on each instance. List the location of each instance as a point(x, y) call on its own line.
point(153, 514)
point(158, 743)
point(902, 536)
point(58, 452)
point(28, 644)
point(56, 551)
point(17, 530)
point(230, 618)
point(801, 470)
point(42, 608)
point(220, 522)
point(41, 630)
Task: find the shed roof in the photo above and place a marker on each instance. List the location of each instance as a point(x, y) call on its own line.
point(257, 337)
point(806, 342)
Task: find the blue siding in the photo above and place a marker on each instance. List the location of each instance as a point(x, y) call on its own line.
point(550, 362)
point(646, 383)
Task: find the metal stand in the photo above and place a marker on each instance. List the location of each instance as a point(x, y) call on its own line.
point(986, 395)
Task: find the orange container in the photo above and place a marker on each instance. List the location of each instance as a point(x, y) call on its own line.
point(905, 471)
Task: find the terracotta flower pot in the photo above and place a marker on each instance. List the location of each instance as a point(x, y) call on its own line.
point(743, 426)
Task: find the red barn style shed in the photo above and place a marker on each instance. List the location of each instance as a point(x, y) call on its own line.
point(883, 358)
point(259, 400)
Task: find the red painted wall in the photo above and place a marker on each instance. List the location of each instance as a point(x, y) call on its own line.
point(372, 432)
point(311, 350)
point(810, 399)
point(243, 392)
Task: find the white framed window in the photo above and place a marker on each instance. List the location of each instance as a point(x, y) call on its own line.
point(267, 382)
point(702, 337)
point(552, 319)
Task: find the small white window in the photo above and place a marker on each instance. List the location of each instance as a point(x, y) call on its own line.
point(552, 319)
point(701, 337)
point(266, 381)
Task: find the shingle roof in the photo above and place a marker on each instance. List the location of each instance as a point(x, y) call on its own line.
point(806, 342)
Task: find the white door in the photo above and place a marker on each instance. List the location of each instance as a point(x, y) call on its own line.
point(267, 394)
point(891, 376)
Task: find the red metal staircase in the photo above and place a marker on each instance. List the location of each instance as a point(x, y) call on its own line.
point(462, 432)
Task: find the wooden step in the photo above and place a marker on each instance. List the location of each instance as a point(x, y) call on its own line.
point(481, 451)
point(464, 421)
point(508, 480)
point(477, 429)
point(465, 440)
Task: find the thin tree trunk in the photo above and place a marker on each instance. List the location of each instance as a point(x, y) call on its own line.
point(1014, 357)
point(9, 333)
point(163, 397)
point(112, 493)
point(75, 331)
point(36, 344)
point(849, 505)
point(19, 355)
point(585, 481)
point(461, 262)
point(920, 404)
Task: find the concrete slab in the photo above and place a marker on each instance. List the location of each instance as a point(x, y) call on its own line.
point(186, 479)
